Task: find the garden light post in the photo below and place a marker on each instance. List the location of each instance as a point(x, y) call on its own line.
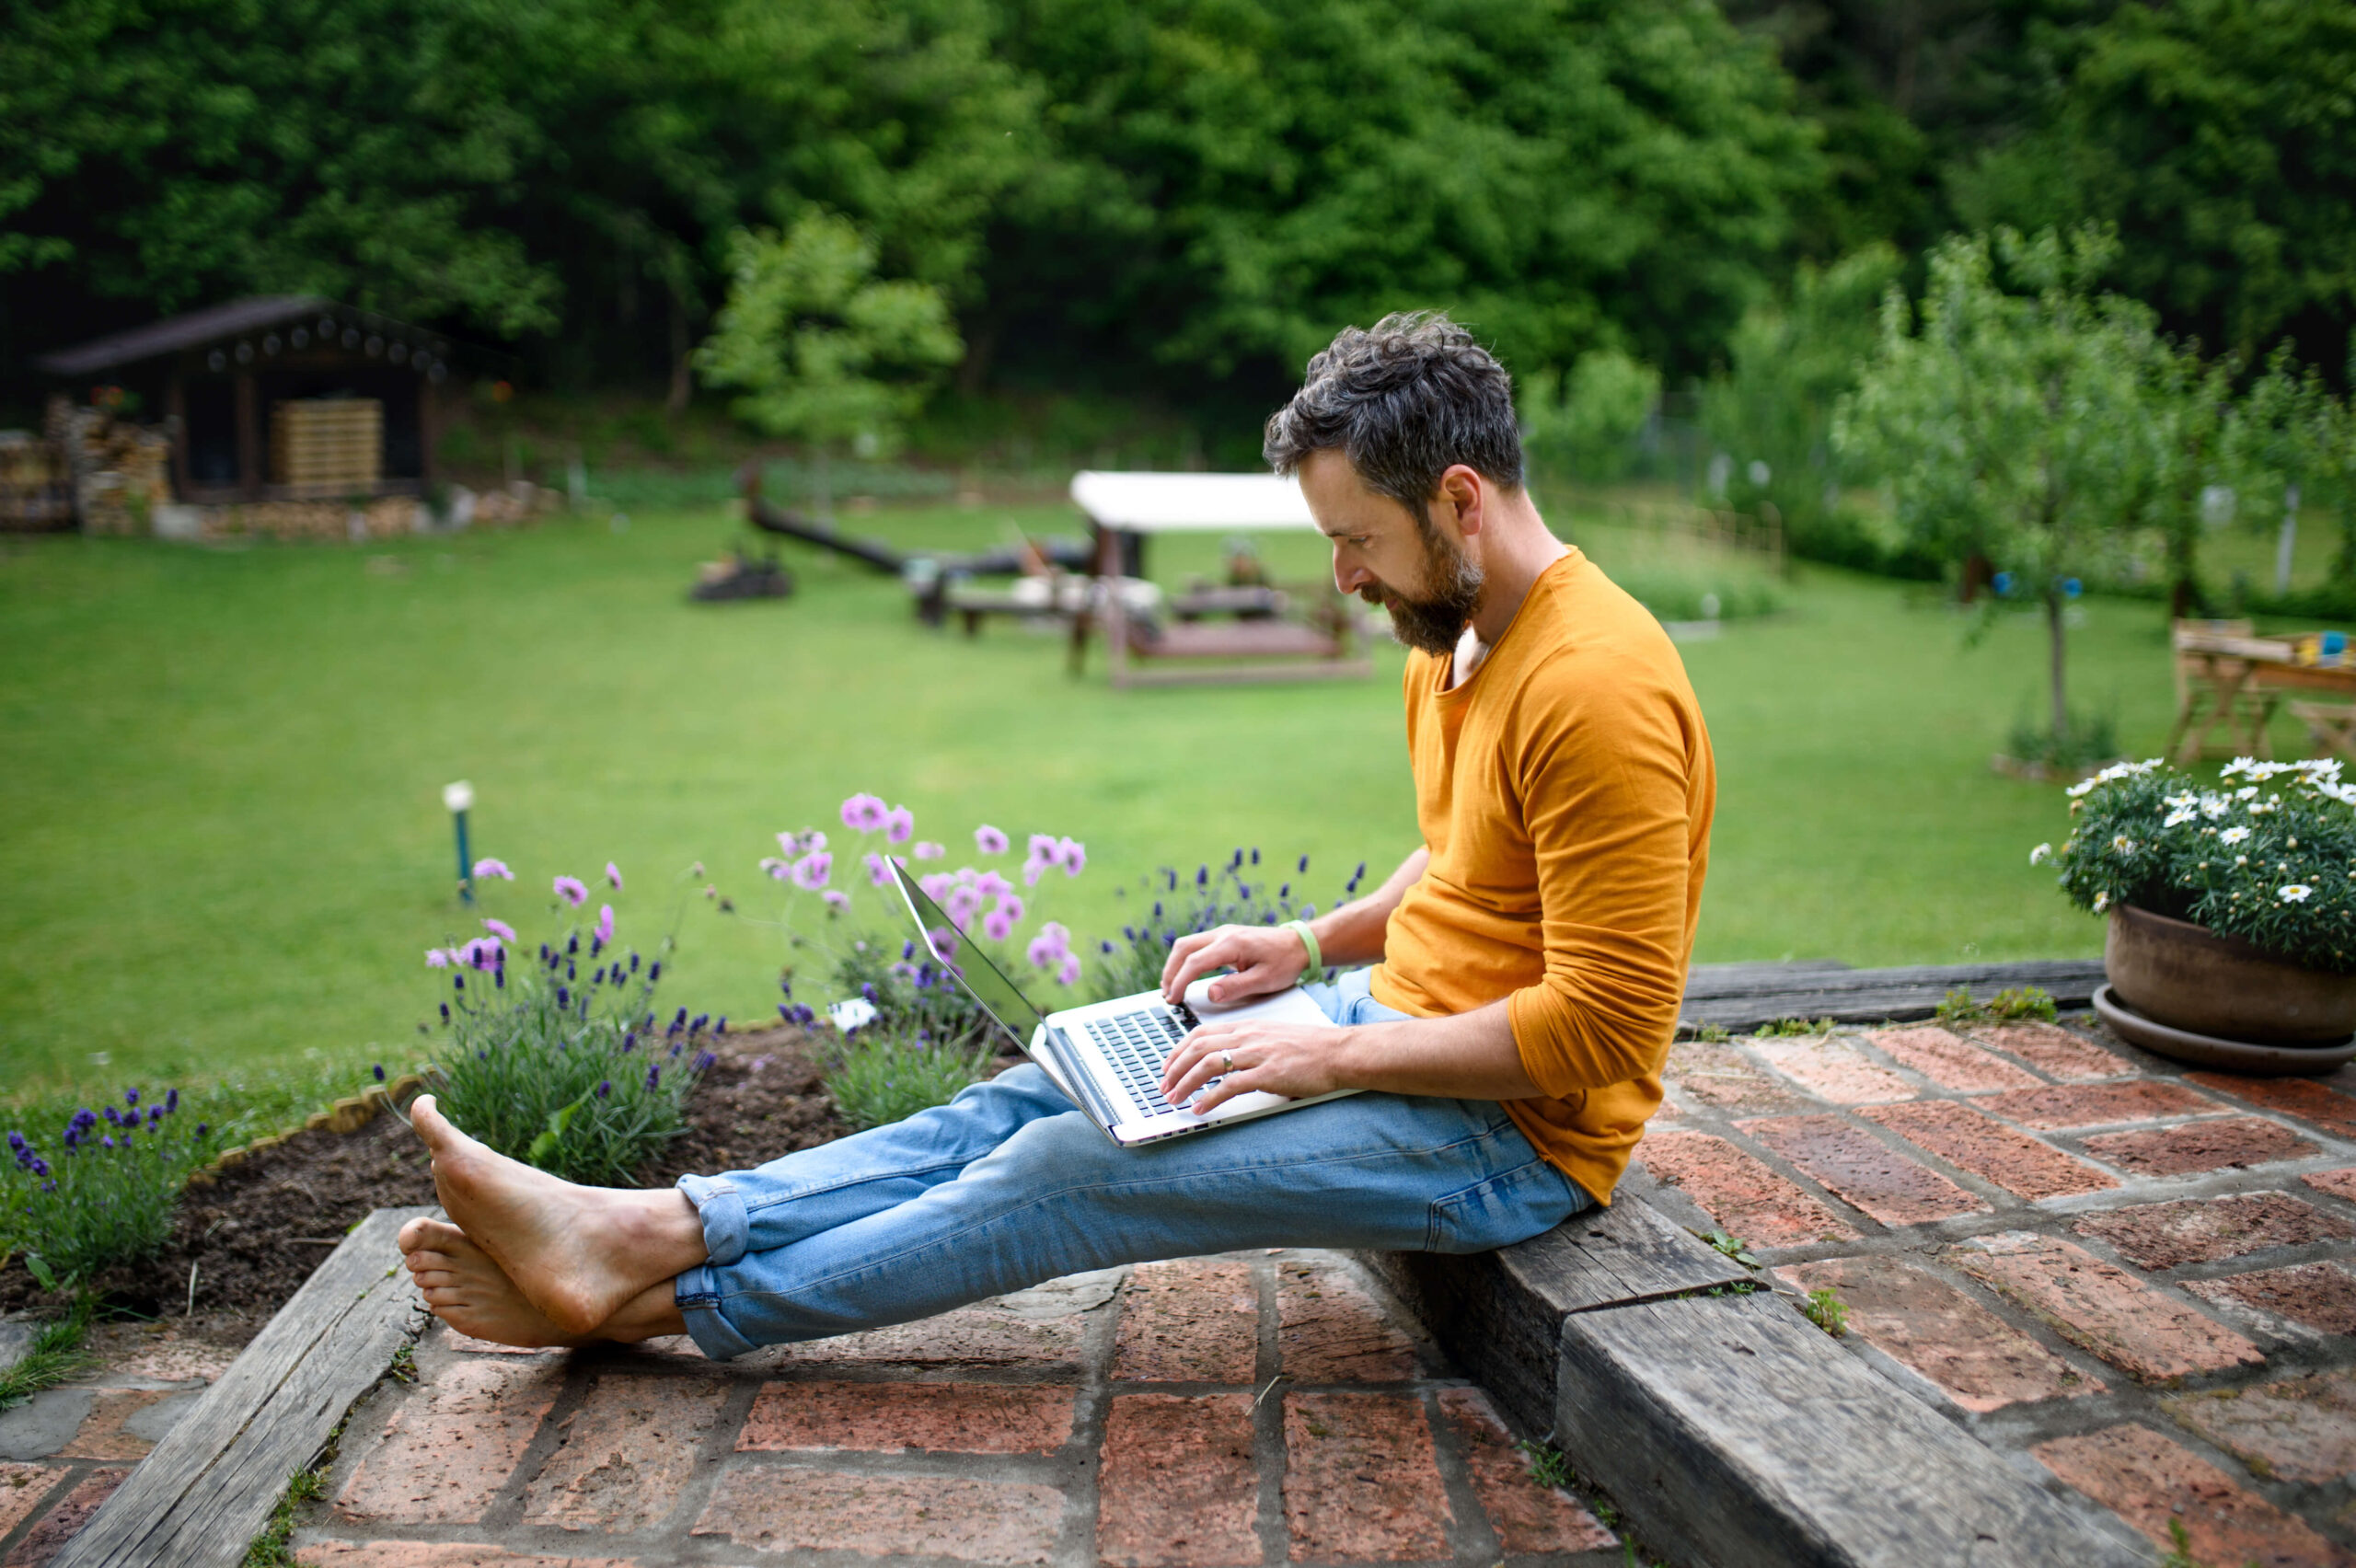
point(459, 797)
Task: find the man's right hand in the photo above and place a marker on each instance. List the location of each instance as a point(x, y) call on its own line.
point(1265, 958)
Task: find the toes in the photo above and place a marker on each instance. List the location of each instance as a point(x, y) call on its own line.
point(412, 1235)
point(424, 1232)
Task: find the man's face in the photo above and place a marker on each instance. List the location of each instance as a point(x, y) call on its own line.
point(1387, 555)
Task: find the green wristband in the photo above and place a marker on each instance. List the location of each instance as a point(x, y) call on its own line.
point(1308, 940)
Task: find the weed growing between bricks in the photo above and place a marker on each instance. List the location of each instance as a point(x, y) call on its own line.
point(55, 1354)
point(269, 1550)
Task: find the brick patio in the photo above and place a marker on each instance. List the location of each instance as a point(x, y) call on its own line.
point(1125, 1418)
point(2132, 1276)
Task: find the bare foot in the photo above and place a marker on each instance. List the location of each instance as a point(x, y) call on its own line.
point(468, 1291)
point(580, 1254)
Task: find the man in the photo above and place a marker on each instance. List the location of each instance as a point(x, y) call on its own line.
point(1529, 963)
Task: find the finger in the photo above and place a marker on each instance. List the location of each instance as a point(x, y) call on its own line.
point(1192, 1050)
point(1230, 1085)
point(1210, 1060)
point(1208, 950)
point(1179, 953)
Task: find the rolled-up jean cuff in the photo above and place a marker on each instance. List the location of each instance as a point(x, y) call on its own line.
point(696, 1294)
point(726, 1227)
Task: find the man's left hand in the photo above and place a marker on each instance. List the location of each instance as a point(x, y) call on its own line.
point(1295, 1060)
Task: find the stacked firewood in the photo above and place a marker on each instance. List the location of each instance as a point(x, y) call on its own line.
point(120, 472)
point(34, 494)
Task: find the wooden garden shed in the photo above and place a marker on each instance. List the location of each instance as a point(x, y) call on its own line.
point(276, 397)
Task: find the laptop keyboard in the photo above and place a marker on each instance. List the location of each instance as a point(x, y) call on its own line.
point(1137, 1045)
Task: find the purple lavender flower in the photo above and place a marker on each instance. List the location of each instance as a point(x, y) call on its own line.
point(926, 849)
point(107, 1138)
point(605, 924)
point(655, 1076)
point(499, 928)
point(704, 1061)
point(446, 1012)
point(202, 1128)
point(614, 875)
point(130, 1096)
point(493, 869)
point(604, 1087)
point(900, 824)
point(564, 998)
point(863, 812)
point(171, 1100)
point(654, 972)
point(989, 840)
point(379, 1069)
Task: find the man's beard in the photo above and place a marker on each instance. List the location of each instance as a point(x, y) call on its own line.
point(1435, 624)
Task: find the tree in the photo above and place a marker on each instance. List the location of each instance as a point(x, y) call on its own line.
point(1586, 422)
point(822, 350)
point(2014, 424)
point(2192, 403)
point(2282, 436)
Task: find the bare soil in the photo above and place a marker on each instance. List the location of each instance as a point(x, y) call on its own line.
point(245, 1244)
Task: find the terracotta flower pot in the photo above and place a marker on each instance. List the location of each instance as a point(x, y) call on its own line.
point(2189, 977)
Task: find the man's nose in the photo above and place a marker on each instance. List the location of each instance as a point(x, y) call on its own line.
point(1350, 576)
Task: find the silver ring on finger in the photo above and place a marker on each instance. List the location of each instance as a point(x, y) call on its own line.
point(1228, 1059)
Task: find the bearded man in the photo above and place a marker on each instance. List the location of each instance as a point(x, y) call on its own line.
point(1526, 967)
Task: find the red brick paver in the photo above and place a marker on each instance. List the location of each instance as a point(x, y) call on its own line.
point(1716, 1074)
point(2150, 1482)
point(1528, 1518)
point(63, 1521)
point(1947, 1061)
point(1361, 1481)
point(2314, 1295)
point(2104, 1309)
point(1862, 1169)
point(2338, 1183)
point(2057, 1053)
point(772, 1509)
point(965, 1418)
point(2163, 1235)
point(628, 1452)
point(445, 1458)
point(1739, 1191)
point(1331, 1331)
point(1991, 1150)
point(2299, 1429)
point(101, 1435)
point(1192, 1320)
point(1176, 1484)
point(441, 1554)
point(2199, 1146)
point(2097, 1104)
point(1833, 1069)
point(23, 1488)
point(1978, 1360)
point(2302, 1098)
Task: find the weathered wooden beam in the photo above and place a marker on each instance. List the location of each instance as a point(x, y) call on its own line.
point(206, 1490)
point(1734, 1433)
point(1499, 1314)
point(1739, 1002)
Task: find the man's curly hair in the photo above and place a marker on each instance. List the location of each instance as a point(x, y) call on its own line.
point(1404, 400)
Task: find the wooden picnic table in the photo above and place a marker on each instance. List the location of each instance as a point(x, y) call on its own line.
point(2229, 678)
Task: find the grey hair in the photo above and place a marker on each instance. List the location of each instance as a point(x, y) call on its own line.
point(1404, 400)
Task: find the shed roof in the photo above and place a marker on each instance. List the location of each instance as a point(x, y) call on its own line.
point(219, 323)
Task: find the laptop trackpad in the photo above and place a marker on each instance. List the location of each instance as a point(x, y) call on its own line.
point(1291, 1005)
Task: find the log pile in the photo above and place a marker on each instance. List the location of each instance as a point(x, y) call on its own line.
point(35, 496)
point(120, 472)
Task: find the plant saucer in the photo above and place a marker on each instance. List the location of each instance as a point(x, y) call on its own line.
point(2209, 1051)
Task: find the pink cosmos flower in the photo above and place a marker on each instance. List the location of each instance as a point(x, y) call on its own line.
point(990, 884)
point(1050, 947)
point(811, 872)
point(1072, 856)
point(879, 871)
point(500, 929)
point(900, 824)
point(863, 812)
point(571, 889)
point(438, 958)
point(927, 850)
point(493, 869)
point(937, 885)
point(614, 875)
point(481, 953)
point(1042, 846)
point(1068, 972)
point(1010, 905)
point(837, 900)
point(989, 840)
point(998, 925)
point(962, 904)
point(605, 922)
point(775, 867)
point(1033, 871)
point(943, 942)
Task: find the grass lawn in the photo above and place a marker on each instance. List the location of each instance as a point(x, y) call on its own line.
point(224, 849)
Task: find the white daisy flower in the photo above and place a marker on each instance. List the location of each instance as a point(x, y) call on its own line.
point(2232, 836)
point(2102, 902)
point(2037, 857)
point(2297, 893)
point(2178, 818)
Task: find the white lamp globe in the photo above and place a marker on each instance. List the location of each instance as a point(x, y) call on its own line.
point(459, 797)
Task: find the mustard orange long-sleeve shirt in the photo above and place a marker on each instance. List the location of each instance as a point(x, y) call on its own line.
point(1566, 792)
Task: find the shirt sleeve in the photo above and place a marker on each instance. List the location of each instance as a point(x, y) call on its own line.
point(1607, 802)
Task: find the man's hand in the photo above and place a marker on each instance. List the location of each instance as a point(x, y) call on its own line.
point(1265, 958)
point(1293, 1059)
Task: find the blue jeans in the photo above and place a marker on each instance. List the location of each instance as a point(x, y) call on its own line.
point(1007, 1186)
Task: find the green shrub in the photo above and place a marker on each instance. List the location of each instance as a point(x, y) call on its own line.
point(2090, 738)
point(567, 1072)
point(1173, 904)
point(104, 1195)
point(880, 1075)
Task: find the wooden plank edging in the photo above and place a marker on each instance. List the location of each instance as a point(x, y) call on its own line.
point(201, 1496)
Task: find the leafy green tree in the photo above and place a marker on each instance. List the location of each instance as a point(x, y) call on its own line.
point(1791, 363)
point(2281, 437)
point(2219, 138)
point(2192, 404)
point(822, 350)
point(1586, 422)
point(2016, 425)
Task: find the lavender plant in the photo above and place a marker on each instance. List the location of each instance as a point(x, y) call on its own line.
point(103, 1194)
point(2269, 854)
point(563, 1063)
point(1239, 892)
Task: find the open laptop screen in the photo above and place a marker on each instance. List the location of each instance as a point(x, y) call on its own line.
point(999, 996)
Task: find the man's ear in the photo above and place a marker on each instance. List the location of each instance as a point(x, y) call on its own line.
point(1465, 494)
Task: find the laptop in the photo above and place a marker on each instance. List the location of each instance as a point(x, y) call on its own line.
point(1108, 1057)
